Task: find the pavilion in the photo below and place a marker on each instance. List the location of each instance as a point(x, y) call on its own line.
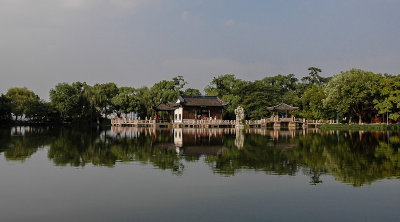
point(281, 108)
point(161, 109)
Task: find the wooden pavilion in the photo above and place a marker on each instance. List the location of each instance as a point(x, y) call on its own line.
point(281, 108)
point(162, 109)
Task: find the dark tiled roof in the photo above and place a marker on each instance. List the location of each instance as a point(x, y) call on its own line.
point(282, 107)
point(201, 101)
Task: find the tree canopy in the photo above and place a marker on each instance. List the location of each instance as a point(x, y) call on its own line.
point(389, 97)
point(355, 95)
point(21, 100)
point(353, 92)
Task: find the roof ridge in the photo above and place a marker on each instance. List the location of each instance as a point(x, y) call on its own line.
point(200, 96)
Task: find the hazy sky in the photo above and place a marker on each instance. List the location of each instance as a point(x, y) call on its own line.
point(139, 42)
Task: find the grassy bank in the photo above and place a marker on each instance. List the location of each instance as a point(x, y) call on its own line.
point(102, 123)
point(369, 127)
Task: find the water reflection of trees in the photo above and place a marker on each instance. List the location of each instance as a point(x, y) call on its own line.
point(19, 143)
point(78, 149)
point(356, 158)
point(351, 157)
point(255, 154)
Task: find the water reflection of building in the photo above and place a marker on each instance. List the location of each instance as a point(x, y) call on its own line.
point(208, 141)
point(188, 141)
point(198, 141)
point(129, 132)
point(22, 130)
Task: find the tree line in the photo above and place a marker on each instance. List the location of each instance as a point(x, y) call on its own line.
point(351, 96)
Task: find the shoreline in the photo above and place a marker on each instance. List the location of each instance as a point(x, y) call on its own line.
point(367, 126)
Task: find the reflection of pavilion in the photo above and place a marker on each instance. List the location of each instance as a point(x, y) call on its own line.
point(282, 139)
point(276, 133)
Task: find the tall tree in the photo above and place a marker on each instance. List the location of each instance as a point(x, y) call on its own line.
point(353, 92)
point(285, 89)
point(313, 77)
point(71, 101)
point(144, 102)
point(389, 99)
point(222, 85)
point(228, 88)
point(103, 94)
point(126, 100)
point(20, 99)
point(313, 107)
point(167, 91)
point(256, 96)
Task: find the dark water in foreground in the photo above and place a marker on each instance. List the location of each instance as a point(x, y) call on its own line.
point(127, 174)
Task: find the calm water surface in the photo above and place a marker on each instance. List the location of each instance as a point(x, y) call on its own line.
point(128, 174)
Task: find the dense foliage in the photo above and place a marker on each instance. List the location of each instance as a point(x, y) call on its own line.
point(5, 109)
point(350, 96)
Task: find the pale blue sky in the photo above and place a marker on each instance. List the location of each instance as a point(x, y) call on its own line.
point(139, 42)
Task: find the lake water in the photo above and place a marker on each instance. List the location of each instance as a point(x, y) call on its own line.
point(130, 174)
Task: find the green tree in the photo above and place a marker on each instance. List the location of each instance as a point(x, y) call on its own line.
point(42, 112)
point(71, 101)
point(126, 100)
point(144, 102)
point(256, 97)
point(313, 107)
point(389, 99)
point(282, 82)
point(314, 78)
point(352, 92)
point(228, 88)
point(20, 99)
point(103, 94)
point(285, 89)
point(192, 92)
point(167, 91)
point(222, 85)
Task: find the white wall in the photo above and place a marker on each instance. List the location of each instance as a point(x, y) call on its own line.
point(178, 115)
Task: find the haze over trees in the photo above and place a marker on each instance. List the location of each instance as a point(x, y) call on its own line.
point(351, 96)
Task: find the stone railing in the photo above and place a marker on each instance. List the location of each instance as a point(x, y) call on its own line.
point(131, 122)
point(209, 122)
